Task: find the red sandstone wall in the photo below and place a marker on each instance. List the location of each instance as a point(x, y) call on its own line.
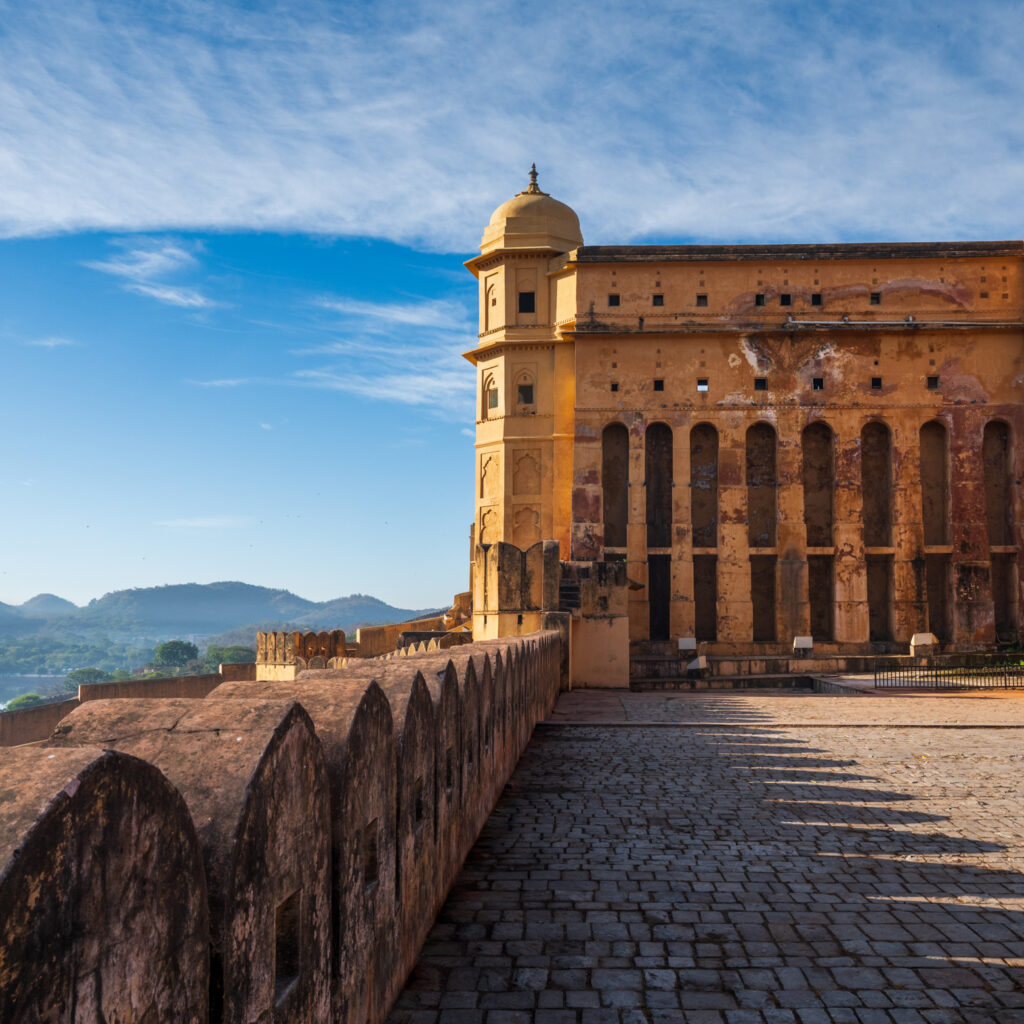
point(371, 782)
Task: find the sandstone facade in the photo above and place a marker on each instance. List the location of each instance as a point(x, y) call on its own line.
point(777, 440)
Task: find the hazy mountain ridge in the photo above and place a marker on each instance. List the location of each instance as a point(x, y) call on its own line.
point(193, 609)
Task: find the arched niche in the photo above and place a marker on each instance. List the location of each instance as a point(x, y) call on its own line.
point(614, 481)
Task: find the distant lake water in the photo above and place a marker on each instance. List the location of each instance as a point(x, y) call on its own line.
point(14, 686)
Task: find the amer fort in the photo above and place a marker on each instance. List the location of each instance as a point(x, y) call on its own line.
point(727, 729)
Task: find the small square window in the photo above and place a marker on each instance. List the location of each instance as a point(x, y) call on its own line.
point(702, 383)
point(759, 299)
point(818, 383)
point(933, 383)
point(760, 383)
point(613, 300)
point(524, 395)
point(816, 298)
point(983, 295)
point(659, 384)
point(615, 385)
point(876, 383)
point(657, 300)
point(876, 298)
point(527, 302)
point(785, 299)
point(702, 300)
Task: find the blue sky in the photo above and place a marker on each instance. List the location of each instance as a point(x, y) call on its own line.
point(232, 304)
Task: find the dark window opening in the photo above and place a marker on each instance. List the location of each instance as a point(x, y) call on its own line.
point(659, 384)
point(287, 961)
point(705, 597)
point(657, 300)
point(613, 300)
point(702, 383)
point(525, 394)
point(816, 299)
point(615, 385)
point(760, 383)
point(876, 383)
point(371, 862)
point(933, 383)
point(785, 299)
point(759, 299)
point(983, 295)
point(818, 383)
point(527, 302)
point(876, 298)
point(702, 300)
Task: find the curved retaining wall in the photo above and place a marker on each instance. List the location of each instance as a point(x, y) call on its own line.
point(330, 814)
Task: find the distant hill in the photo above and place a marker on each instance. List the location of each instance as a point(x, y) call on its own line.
point(193, 609)
point(47, 606)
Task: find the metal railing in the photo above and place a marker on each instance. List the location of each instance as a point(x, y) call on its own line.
point(953, 672)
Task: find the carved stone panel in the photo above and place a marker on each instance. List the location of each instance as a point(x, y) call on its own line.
point(526, 472)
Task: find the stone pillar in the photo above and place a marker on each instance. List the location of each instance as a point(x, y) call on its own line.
point(682, 617)
point(792, 609)
point(735, 609)
point(910, 590)
point(852, 622)
point(973, 613)
point(587, 527)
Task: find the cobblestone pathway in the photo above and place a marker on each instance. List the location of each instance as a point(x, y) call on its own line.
point(744, 869)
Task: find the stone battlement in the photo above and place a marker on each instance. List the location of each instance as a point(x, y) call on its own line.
point(273, 851)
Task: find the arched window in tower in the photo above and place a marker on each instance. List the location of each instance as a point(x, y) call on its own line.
point(761, 486)
point(876, 483)
point(526, 393)
point(489, 398)
point(658, 465)
point(704, 485)
point(614, 480)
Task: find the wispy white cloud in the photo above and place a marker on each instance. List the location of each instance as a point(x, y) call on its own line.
point(427, 313)
point(141, 265)
point(205, 522)
point(53, 341)
point(685, 119)
point(187, 298)
point(225, 382)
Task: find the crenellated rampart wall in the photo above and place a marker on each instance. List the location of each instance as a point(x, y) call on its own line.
point(276, 851)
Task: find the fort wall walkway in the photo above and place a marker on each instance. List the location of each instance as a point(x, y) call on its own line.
point(738, 859)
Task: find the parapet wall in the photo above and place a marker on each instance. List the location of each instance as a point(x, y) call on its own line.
point(30, 725)
point(331, 815)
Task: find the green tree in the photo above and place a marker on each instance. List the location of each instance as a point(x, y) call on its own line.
point(174, 653)
point(84, 676)
point(26, 700)
point(217, 655)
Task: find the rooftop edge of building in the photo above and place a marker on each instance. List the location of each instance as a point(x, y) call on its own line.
point(802, 251)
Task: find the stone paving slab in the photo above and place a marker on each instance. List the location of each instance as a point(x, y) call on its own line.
point(784, 707)
point(743, 870)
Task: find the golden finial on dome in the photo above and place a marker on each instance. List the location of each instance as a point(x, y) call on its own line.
point(533, 189)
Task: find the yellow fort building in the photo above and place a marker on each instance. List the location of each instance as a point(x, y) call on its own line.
point(778, 441)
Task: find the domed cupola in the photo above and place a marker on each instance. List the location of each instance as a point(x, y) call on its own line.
point(532, 220)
